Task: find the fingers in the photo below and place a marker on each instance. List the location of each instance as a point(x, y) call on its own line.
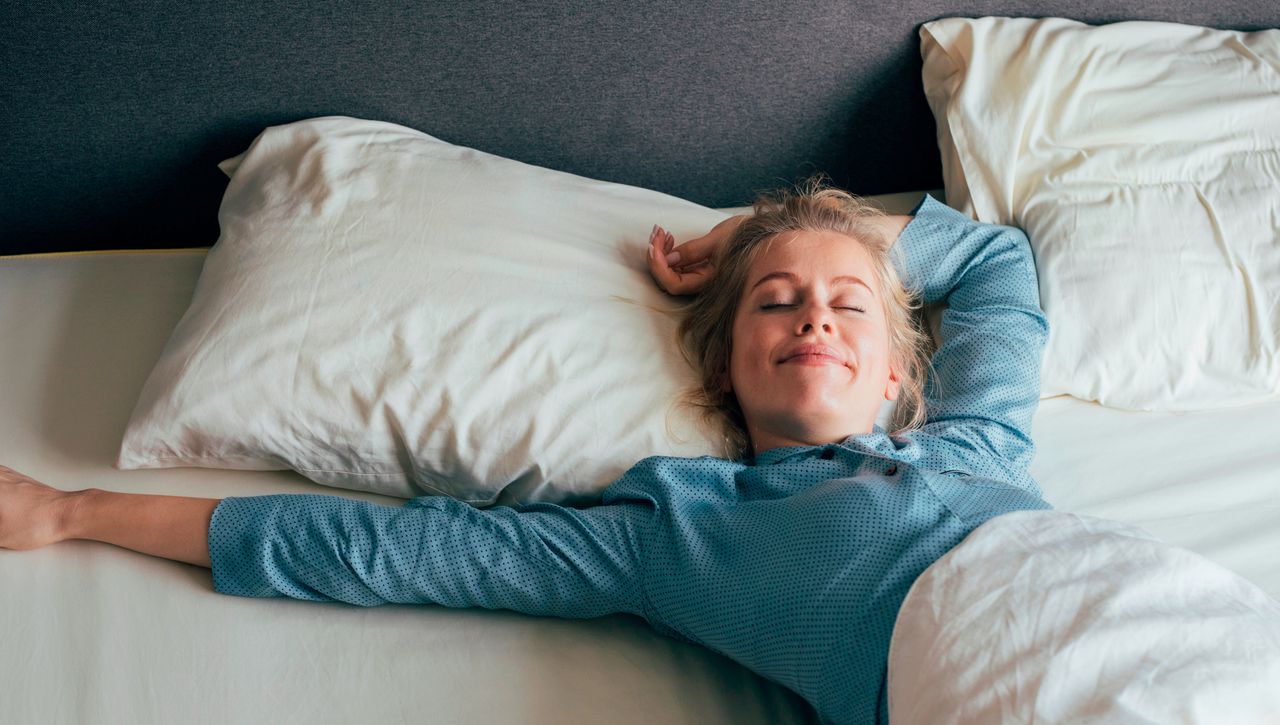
point(664, 244)
point(659, 267)
point(681, 279)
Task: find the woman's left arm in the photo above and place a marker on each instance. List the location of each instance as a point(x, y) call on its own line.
point(985, 383)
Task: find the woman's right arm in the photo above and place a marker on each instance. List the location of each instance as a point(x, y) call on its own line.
point(34, 514)
point(541, 558)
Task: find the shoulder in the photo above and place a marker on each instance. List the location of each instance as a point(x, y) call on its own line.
point(667, 476)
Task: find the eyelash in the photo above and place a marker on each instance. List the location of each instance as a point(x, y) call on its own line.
point(770, 307)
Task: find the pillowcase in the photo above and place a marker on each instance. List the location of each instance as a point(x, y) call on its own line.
point(388, 312)
point(1142, 159)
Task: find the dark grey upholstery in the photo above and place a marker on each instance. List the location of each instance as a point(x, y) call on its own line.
point(115, 114)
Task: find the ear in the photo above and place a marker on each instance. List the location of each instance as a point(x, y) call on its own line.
point(894, 386)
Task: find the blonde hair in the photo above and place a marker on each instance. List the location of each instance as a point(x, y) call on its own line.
point(704, 335)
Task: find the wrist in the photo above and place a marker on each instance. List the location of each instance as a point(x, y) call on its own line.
point(76, 511)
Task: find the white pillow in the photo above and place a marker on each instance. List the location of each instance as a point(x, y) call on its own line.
point(388, 312)
point(1143, 161)
point(1047, 616)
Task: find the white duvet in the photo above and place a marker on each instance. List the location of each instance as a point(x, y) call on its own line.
point(1045, 616)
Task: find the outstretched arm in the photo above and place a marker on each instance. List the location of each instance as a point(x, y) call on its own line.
point(538, 559)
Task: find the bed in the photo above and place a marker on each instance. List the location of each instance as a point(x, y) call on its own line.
point(116, 121)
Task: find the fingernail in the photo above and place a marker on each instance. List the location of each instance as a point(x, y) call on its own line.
point(673, 257)
point(650, 252)
point(654, 233)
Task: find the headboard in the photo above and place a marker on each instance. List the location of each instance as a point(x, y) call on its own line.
point(115, 114)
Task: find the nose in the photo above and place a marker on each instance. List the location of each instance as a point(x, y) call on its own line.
point(806, 327)
point(813, 316)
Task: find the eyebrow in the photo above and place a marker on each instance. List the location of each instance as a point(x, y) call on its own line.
point(792, 278)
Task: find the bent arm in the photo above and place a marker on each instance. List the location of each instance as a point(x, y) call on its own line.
point(540, 559)
point(985, 385)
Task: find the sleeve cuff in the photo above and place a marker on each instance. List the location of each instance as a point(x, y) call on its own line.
point(234, 534)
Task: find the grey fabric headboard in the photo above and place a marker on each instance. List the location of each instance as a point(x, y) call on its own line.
point(115, 114)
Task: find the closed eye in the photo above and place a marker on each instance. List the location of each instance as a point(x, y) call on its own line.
point(774, 306)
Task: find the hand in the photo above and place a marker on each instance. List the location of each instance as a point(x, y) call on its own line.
point(31, 513)
point(686, 269)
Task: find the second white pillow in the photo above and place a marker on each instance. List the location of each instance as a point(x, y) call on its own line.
point(1142, 159)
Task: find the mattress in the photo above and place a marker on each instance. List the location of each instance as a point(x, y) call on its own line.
point(93, 633)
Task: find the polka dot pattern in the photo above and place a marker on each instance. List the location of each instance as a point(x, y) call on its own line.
point(793, 563)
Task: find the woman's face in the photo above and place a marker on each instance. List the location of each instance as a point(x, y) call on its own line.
point(809, 360)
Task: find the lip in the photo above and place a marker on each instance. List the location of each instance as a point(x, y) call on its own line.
point(810, 354)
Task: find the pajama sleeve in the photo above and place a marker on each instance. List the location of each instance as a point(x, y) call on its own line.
point(985, 383)
point(540, 559)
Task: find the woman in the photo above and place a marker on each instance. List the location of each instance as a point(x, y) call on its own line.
point(793, 554)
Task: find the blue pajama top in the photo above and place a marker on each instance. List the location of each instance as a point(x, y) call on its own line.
point(793, 563)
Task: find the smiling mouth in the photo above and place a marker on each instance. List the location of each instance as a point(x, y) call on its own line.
point(812, 359)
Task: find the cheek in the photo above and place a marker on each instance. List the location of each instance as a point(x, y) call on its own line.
point(873, 344)
point(864, 338)
point(746, 351)
point(752, 341)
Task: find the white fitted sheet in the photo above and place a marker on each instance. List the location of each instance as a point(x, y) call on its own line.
point(95, 633)
point(1208, 481)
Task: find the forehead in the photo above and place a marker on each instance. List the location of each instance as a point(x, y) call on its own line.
point(806, 256)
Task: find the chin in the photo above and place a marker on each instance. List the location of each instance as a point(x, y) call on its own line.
point(822, 422)
point(819, 401)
